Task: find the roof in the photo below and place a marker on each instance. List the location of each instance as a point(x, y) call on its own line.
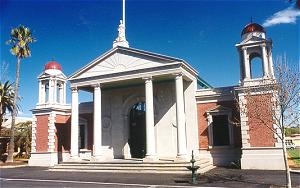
point(253, 27)
point(53, 65)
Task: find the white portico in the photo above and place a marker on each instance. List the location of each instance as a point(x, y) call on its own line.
point(125, 76)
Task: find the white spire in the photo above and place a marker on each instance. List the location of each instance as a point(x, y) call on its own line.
point(121, 39)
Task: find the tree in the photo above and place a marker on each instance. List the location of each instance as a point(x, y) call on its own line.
point(6, 99)
point(275, 104)
point(20, 38)
point(23, 137)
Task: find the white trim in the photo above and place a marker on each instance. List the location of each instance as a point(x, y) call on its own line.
point(210, 115)
point(51, 132)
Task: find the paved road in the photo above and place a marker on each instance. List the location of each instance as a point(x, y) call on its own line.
point(219, 177)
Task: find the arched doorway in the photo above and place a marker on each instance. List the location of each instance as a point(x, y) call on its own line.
point(137, 130)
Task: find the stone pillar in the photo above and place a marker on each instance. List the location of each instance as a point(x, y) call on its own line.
point(150, 135)
point(61, 93)
point(64, 93)
point(246, 64)
point(265, 61)
point(40, 92)
point(74, 123)
point(271, 63)
point(97, 122)
point(50, 91)
point(55, 91)
point(180, 117)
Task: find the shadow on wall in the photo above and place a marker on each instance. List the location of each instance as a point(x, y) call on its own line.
point(63, 136)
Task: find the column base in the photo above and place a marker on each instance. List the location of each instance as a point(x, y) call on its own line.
point(262, 158)
point(43, 159)
point(74, 159)
point(98, 158)
point(150, 158)
point(182, 158)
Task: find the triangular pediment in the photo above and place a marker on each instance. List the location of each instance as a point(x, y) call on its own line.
point(122, 59)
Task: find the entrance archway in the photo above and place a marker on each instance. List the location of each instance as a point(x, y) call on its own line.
point(137, 130)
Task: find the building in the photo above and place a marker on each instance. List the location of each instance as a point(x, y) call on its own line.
point(151, 106)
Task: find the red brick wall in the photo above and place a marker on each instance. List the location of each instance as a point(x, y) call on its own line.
point(63, 133)
point(259, 112)
point(203, 123)
point(62, 118)
point(42, 133)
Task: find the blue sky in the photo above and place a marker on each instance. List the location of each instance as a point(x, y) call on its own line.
point(201, 32)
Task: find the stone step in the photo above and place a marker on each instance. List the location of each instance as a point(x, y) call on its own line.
point(132, 167)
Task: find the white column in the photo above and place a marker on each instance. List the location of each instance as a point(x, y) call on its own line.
point(271, 63)
point(64, 93)
point(246, 64)
point(97, 122)
point(265, 61)
point(55, 91)
point(180, 117)
point(50, 91)
point(150, 135)
point(74, 123)
point(40, 92)
point(61, 93)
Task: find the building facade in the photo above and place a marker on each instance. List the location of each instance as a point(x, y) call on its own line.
point(155, 107)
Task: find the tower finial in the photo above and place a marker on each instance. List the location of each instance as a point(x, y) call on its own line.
point(251, 20)
point(121, 39)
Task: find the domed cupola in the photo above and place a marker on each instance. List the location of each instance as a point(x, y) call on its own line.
point(255, 50)
point(52, 68)
point(52, 85)
point(253, 29)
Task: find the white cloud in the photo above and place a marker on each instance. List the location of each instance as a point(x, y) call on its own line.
point(286, 16)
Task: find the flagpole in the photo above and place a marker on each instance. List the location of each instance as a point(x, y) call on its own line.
point(123, 12)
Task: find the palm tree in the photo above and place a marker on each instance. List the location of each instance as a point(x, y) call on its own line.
point(20, 38)
point(6, 99)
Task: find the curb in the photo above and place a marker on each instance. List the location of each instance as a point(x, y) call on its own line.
point(16, 166)
point(295, 171)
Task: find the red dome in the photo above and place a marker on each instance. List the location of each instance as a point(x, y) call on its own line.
point(53, 65)
point(253, 27)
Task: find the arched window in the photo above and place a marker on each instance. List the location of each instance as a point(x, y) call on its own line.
point(256, 66)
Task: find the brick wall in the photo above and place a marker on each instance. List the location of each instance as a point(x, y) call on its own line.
point(259, 112)
point(203, 123)
point(63, 133)
point(42, 133)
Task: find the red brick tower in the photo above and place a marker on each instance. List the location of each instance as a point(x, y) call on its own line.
point(50, 115)
point(261, 148)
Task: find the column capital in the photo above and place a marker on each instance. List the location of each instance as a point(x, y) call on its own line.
point(97, 85)
point(244, 48)
point(74, 89)
point(147, 78)
point(178, 75)
point(263, 45)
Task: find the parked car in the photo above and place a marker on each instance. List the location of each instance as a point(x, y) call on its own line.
point(290, 145)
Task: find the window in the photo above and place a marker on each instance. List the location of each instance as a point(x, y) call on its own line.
point(220, 130)
point(81, 136)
